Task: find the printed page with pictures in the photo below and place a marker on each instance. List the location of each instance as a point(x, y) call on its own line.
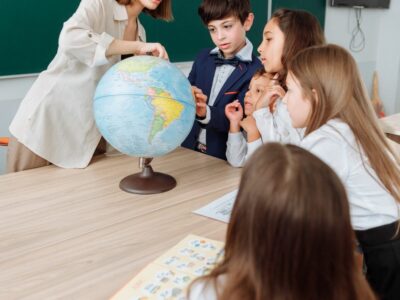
point(220, 209)
point(169, 275)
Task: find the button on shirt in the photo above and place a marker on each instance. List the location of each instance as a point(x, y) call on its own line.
point(221, 75)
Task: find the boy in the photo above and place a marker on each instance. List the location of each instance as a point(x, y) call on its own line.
point(221, 75)
point(241, 145)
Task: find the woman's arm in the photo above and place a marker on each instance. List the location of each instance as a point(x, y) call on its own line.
point(118, 47)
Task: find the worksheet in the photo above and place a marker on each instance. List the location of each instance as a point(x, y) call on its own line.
point(169, 275)
point(219, 209)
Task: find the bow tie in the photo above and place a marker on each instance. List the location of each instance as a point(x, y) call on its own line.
point(234, 61)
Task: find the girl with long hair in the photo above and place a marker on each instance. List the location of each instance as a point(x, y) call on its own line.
point(54, 123)
point(289, 235)
point(285, 34)
point(326, 96)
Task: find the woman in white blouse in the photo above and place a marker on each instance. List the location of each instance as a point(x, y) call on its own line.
point(54, 122)
point(326, 97)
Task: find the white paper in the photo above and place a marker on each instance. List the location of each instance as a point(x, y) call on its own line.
point(219, 209)
point(391, 124)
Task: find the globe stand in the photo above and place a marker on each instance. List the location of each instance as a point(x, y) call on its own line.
point(147, 181)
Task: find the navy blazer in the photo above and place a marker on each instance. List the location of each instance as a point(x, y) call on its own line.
point(236, 86)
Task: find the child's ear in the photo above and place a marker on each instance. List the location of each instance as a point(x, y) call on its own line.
point(248, 22)
point(315, 94)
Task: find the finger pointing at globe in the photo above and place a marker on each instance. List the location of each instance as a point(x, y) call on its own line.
point(156, 49)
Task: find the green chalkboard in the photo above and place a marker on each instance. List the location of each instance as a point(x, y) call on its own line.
point(185, 36)
point(316, 7)
point(29, 30)
point(29, 33)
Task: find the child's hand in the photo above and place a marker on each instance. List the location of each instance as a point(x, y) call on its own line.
point(249, 125)
point(234, 113)
point(156, 49)
point(201, 102)
point(269, 97)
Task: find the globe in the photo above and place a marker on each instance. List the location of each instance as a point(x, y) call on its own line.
point(144, 107)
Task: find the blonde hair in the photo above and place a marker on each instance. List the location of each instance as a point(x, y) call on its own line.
point(290, 235)
point(331, 73)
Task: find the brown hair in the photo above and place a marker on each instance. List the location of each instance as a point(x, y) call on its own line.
point(211, 10)
point(163, 11)
point(301, 30)
point(290, 235)
point(261, 72)
point(331, 73)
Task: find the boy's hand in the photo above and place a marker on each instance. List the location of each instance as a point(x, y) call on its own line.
point(201, 102)
point(249, 125)
point(234, 113)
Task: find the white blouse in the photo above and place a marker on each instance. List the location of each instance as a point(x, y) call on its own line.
point(205, 290)
point(371, 205)
point(276, 127)
point(55, 119)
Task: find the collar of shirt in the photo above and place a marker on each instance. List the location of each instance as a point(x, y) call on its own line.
point(120, 14)
point(245, 54)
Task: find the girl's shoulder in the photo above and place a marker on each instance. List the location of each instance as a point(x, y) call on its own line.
point(335, 130)
point(202, 290)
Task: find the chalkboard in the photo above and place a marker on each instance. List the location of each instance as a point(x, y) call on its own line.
point(316, 7)
point(29, 30)
point(29, 33)
point(184, 37)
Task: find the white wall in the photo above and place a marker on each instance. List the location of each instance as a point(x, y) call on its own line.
point(388, 57)
point(382, 47)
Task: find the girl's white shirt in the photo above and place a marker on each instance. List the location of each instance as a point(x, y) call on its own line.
point(276, 127)
point(371, 205)
point(205, 290)
point(55, 119)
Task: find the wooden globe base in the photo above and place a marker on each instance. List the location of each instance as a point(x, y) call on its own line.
point(147, 182)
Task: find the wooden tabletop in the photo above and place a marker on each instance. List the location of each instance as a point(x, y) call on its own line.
point(73, 234)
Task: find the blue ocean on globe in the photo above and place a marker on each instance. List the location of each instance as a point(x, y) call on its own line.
point(143, 106)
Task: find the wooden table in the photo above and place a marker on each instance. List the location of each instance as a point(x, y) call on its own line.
point(73, 234)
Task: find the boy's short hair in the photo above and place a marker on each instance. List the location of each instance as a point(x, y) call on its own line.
point(261, 72)
point(211, 10)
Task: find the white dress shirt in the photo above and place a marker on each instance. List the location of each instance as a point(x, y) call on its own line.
point(205, 290)
point(277, 126)
point(371, 205)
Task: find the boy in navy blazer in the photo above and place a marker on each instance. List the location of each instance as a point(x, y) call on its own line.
point(221, 75)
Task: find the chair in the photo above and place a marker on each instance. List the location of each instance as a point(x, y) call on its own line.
point(4, 141)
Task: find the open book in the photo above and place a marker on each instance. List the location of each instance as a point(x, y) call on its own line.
point(169, 275)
